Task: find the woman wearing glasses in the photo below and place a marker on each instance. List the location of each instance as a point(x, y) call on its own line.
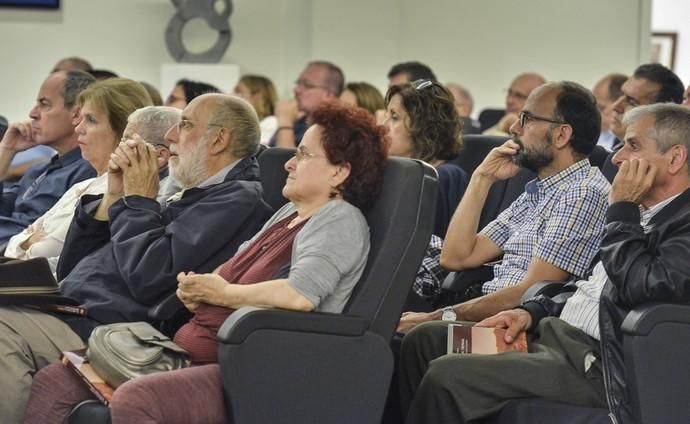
point(423, 124)
point(321, 237)
point(104, 109)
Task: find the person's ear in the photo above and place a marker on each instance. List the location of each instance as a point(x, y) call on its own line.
point(563, 136)
point(678, 159)
point(221, 142)
point(163, 157)
point(340, 174)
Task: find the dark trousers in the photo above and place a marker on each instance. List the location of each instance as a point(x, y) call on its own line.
point(459, 388)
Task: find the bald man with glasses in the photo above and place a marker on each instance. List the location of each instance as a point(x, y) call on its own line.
point(553, 230)
point(319, 81)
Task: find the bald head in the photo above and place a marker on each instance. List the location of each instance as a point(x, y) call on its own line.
point(520, 89)
point(607, 91)
point(463, 99)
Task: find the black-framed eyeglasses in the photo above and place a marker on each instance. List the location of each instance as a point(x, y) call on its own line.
point(421, 84)
point(525, 117)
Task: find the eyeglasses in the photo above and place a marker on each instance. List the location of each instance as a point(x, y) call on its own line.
point(186, 124)
point(525, 117)
point(301, 153)
point(421, 84)
point(308, 85)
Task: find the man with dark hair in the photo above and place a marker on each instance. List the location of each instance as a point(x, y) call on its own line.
point(318, 82)
point(553, 230)
point(647, 226)
point(607, 91)
point(651, 83)
point(405, 72)
point(124, 250)
point(52, 124)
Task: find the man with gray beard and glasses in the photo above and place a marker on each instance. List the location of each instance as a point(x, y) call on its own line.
point(553, 230)
point(124, 250)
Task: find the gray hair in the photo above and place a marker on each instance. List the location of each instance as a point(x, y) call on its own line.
point(241, 119)
point(75, 82)
point(671, 124)
point(153, 122)
point(334, 79)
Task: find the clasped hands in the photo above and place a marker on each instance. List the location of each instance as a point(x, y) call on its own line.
point(194, 289)
point(133, 169)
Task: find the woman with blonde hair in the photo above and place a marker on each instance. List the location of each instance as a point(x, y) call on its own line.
point(260, 93)
point(364, 95)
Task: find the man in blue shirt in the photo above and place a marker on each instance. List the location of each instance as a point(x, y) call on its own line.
point(51, 124)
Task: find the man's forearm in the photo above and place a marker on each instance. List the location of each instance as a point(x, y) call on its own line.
point(102, 211)
point(6, 156)
point(462, 231)
point(488, 305)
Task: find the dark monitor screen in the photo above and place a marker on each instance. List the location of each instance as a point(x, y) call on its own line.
point(46, 4)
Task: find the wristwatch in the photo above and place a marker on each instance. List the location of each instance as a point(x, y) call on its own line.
point(448, 314)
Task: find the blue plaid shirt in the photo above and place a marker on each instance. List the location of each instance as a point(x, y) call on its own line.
point(559, 220)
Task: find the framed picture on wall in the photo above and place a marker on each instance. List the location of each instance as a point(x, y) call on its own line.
point(43, 4)
point(663, 48)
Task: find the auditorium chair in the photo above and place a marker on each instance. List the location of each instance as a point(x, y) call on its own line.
point(286, 366)
point(655, 338)
point(474, 150)
point(490, 117)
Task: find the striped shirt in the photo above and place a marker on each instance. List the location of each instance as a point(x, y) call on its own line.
point(559, 220)
point(581, 310)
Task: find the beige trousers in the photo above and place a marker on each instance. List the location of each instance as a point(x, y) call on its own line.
point(29, 340)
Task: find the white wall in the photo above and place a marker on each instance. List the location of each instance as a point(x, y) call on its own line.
point(479, 43)
point(672, 16)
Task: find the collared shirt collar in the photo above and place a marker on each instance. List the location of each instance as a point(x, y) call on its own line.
point(542, 186)
point(647, 214)
point(67, 158)
point(216, 178)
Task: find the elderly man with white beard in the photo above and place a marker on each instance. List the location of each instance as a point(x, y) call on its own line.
point(124, 250)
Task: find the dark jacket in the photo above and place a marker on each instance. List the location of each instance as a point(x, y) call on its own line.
point(117, 270)
point(641, 268)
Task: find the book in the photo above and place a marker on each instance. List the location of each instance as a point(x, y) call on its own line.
point(78, 362)
point(464, 338)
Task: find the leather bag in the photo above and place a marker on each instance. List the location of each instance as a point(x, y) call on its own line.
point(122, 351)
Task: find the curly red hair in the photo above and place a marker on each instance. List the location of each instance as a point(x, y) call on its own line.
point(350, 135)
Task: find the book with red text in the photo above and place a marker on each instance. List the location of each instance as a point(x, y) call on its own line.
point(77, 361)
point(463, 338)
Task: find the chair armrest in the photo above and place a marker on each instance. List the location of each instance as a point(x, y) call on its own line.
point(642, 320)
point(547, 288)
point(459, 281)
point(167, 309)
point(238, 326)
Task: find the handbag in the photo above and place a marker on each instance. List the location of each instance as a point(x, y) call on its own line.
point(122, 351)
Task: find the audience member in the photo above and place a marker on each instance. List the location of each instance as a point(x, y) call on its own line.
point(406, 72)
point(260, 92)
point(321, 234)
point(647, 227)
point(73, 62)
point(104, 110)
point(155, 95)
point(125, 257)
point(102, 74)
point(423, 124)
point(553, 230)
point(186, 90)
point(650, 83)
point(51, 124)
point(464, 103)
point(364, 95)
point(607, 91)
point(519, 90)
point(318, 82)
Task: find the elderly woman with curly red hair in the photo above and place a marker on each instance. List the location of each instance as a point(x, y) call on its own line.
point(321, 234)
